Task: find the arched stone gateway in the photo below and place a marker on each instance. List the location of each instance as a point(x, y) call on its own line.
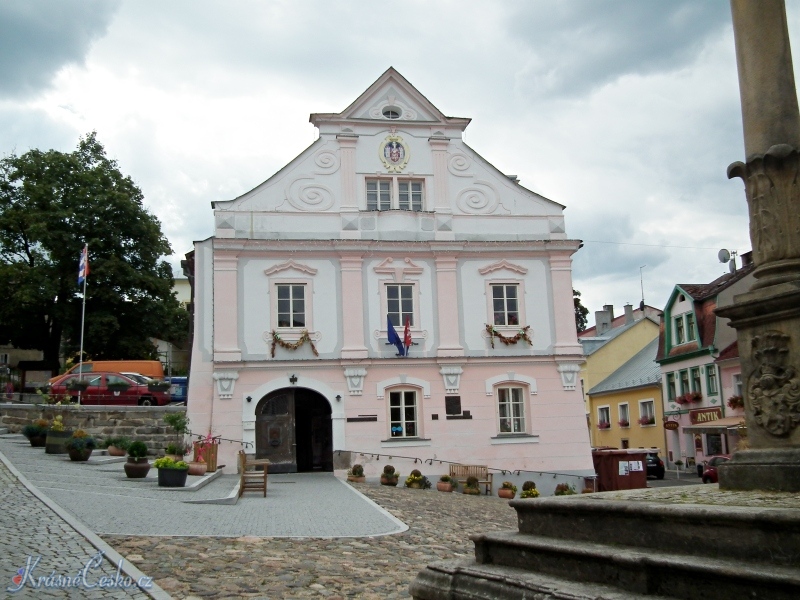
point(294, 431)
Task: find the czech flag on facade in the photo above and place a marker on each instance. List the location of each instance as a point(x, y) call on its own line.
point(83, 265)
point(407, 335)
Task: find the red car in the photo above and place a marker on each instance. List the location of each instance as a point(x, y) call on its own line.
point(112, 389)
point(710, 470)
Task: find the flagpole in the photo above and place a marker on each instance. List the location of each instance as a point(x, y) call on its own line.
point(83, 321)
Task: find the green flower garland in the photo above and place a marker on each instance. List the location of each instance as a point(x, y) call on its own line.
point(522, 335)
point(304, 337)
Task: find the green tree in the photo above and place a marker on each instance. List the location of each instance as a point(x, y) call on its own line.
point(51, 203)
point(580, 311)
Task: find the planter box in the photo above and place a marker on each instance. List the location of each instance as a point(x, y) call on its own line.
point(444, 486)
point(209, 455)
point(57, 442)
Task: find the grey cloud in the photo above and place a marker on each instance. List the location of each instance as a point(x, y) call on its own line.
point(577, 46)
point(37, 38)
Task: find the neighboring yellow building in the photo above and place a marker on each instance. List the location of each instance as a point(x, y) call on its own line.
point(609, 345)
point(626, 409)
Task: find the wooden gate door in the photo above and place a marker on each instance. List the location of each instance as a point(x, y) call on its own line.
point(275, 432)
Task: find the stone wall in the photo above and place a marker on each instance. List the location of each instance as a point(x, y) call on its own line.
point(144, 423)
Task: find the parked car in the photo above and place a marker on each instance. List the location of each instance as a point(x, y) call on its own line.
point(138, 377)
point(109, 389)
point(655, 466)
point(150, 368)
point(710, 474)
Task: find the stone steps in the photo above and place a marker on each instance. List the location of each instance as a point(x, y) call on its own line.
point(590, 547)
point(744, 533)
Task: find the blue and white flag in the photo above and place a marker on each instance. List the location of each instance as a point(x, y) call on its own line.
point(394, 338)
point(83, 265)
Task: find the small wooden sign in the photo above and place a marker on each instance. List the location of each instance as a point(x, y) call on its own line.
point(671, 425)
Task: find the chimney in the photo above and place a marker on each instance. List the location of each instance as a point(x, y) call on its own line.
point(747, 259)
point(602, 321)
point(609, 308)
point(628, 314)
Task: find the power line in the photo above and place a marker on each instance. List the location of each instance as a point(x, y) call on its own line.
point(649, 245)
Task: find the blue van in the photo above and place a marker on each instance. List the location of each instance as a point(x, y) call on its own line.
point(177, 388)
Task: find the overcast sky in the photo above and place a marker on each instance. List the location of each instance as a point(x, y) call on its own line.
point(627, 112)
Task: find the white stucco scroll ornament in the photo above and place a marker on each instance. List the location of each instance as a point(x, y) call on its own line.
point(355, 380)
point(452, 377)
point(569, 374)
point(226, 380)
point(394, 153)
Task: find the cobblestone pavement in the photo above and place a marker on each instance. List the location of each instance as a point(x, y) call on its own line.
point(368, 568)
point(29, 528)
point(705, 494)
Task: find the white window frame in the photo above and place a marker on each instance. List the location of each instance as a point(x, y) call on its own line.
point(402, 313)
point(5, 358)
point(416, 325)
point(736, 380)
point(394, 192)
point(647, 412)
point(624, 414)
point(403, 390)
point(291, 333)
point(523, 394)
point(520, 284)
point(695, 382)
point(604, 411)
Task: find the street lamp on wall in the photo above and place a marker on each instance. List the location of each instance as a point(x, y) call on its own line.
point(338, 398)
point(249, 399)
point(293, 379)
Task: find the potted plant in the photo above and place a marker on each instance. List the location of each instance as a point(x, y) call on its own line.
point(529, 490)
point(80, 446)
point(197, 467)
point(356, 474)
point(389, 476)
point(205, 450)
point(171, 473)
point(507, 490)
point(603, 425)
point(75, 384)
point(564, 489)
point(116, 446)
point(416, 480)
point(36, 432)
point(446, 484)
point(118, 386)
point(735, 402)
point(57, 437)
point(624, 423)
point(137, 466)
point(158, 386)
point(180, 425)
point(471, 486)
point(647, 421)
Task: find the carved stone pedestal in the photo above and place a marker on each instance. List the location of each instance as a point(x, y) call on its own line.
point(767, 321)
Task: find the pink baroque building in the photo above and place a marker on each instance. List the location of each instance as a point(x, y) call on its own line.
point(389, 217)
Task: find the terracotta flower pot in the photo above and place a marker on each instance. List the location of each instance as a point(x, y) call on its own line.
point(506, 493)
point(355, 479)
point(415, 486)
point(471, 491)
point(114, 451)
point(197, 468)
point(444, 486)
point(389, 480)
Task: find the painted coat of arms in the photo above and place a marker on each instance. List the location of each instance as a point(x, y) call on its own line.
point(394, 153)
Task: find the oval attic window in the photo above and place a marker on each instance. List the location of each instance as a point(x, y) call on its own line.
point(391, 112)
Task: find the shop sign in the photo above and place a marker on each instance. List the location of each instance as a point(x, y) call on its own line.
point(671, 425)
point(705, 415)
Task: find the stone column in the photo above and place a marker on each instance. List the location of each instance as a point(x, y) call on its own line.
point(447, 306)
point(226, 306)
point(352, 307)
point(767, 318)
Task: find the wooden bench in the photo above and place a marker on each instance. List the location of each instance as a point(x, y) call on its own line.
point(461, 472)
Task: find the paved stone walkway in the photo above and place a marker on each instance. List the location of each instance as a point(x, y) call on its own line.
point(368, 568)
point(28, 528)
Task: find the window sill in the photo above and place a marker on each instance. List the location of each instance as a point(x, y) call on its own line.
point(401, 442)
point(515, 438)
point(293, 334)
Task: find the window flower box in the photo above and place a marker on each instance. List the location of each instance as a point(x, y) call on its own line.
point(735, 402)
point(624, 423)
point(604, 425)
point(647, 421)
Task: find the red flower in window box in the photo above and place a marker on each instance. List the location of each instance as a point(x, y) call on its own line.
point(647, 421)
point(624, 423)
point(604, 425)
